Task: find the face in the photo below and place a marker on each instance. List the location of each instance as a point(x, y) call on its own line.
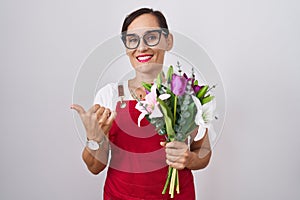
point(144, 58)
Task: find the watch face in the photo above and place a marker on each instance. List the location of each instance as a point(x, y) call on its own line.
point(93, 145)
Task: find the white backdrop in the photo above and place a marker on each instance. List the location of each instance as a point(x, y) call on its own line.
point(254, 43)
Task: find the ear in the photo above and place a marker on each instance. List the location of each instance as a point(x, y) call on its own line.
point(169, 42)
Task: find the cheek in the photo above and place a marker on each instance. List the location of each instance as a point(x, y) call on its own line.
point(162, 45)
point(130, 54)
point(160, 54)
point(160, 50)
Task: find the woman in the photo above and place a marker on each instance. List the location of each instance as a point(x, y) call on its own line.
point(139, 156)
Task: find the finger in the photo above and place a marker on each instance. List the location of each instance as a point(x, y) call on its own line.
point(104, 116)
point(114, 114)
point(176, 145)
point(111, 118)
point(169, 162)
point(175, 152)
point(106, 112)
point(175, 165)
point(80, 110)
point(172, 158)
point(99, 112)
point(94, 108)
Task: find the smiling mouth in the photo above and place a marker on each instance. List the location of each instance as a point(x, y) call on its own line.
point(144, 58)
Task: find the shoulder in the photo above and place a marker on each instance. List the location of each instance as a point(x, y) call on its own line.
point(108, 89)
point(106, 95)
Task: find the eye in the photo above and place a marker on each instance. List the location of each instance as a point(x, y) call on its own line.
point(151, 37)
point(132, 39)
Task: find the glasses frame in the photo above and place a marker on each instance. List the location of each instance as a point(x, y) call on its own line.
point(160, 31)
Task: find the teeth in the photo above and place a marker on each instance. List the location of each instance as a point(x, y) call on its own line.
point(144, 57)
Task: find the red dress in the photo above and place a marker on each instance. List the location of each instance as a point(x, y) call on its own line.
point(138, 168)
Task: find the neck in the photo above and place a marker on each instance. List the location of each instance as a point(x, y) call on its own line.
point(140, 78)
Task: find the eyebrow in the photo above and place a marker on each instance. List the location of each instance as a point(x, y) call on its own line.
point(148, 31)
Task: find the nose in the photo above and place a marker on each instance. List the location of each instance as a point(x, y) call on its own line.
point(142, 46)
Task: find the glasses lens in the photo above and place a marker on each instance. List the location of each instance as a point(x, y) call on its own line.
point(152, 38)
point(132, 41)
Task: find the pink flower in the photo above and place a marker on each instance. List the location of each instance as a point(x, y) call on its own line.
point(150, 106)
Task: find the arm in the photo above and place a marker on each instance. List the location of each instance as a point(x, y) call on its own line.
point(97, 122)
point(96, 160)
point(199, 154)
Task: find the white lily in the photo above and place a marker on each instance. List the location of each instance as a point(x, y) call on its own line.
point(205, 113)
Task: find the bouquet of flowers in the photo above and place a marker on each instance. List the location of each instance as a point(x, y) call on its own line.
point(176, 108)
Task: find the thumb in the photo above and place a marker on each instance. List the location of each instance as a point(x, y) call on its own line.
point(163, 144)
point(78, 108)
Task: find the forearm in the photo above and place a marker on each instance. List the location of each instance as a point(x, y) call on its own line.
point(199, 159)
point(96, 161)
point(200, 153)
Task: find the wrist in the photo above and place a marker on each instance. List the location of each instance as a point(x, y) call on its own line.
point(98, 139)
point(94, 144)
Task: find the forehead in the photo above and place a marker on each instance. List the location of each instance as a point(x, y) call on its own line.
point(143, 23)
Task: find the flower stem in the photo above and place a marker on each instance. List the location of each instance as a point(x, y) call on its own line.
point(175, 107)
point(172, 184)
point(168, 180)
point(172, 178)
point(177, 182)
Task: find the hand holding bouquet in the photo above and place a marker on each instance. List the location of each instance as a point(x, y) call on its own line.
point(176, 108)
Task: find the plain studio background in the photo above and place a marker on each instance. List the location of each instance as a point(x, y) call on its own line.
point(254, 44)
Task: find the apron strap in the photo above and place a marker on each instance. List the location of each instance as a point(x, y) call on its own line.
point(121, 95)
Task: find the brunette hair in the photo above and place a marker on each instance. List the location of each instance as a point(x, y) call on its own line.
point(132, 16)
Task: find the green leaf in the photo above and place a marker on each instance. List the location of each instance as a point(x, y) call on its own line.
point(168, 119)
point(169, 75)
point(168, 91)
point(190, 120)
point(202, 91)
point(159, 80)
point(147, 86)
point(207, 99)
point(196, 82)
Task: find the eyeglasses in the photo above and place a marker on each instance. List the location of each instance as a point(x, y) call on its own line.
point(151, 38)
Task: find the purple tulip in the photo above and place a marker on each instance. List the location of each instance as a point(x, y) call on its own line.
point(196, 88)
point(178, 84)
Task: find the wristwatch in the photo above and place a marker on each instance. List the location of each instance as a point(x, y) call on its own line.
point(94, 145)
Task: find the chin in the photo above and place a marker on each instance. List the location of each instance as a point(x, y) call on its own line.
point(149, 67)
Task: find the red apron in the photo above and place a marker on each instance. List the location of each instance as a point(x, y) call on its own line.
point(138, 168)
